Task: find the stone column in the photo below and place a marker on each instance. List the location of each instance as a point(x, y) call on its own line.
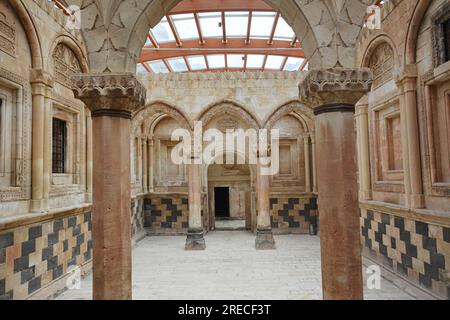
point(307, 163)
point(111, 98)
point(89, 158)
point(333, 93)
point(195, 239)
point(41, 83)
point(151, 168)
point(264, 235)
point(362, 118)
point(144, 165)
point(314, 167)
point(408, 84)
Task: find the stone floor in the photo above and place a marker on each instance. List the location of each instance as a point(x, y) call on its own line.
point(230, 225)
point(230, 268)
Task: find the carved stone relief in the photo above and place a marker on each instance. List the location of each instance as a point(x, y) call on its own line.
point(7, 35)
point(66, 65)
point(382, 64)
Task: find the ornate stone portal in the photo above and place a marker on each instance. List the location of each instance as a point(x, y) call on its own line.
point(112, 98)
point(333, 93)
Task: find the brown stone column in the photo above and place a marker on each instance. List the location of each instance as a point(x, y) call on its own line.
point(151, 164)
point(111, 98)
point(89, 159)
point(307, 163)
point(313, 161)
point(362, 120)
point(264, 235)
point(333, 94)
point(195, 239)
point(144, 165)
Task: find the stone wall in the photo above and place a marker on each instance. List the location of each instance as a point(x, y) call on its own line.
point(166, 214)
point(293, 213)
point(411, 245)
point(37, 252)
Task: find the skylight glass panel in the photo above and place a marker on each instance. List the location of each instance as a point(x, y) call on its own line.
point(178, 64)
point(274, 62)
point(293, 64)
point(197, 63)
point(211, 24)
point(236, 24)
point(158, 66)
point(185, 25)
point(140, 70)
point(255, 61)
point(262, 24)
point(216, 61)
point(236, 61)
point(162, 32)
point(283, 31)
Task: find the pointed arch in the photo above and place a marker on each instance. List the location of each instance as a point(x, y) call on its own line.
point(72, 44)
point(229, 107)
point(413, 30)
point(300, 111)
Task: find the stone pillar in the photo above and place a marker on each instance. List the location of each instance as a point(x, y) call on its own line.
point(195, 239)
point(89, 158)
point(313, 161)
point(264, 235)
point(407, 82)
point(41, 84)
point(111, 98)
point(151, 169)
point(362, 119)
point(144, 165)
point(333, 93)
point(307, 163)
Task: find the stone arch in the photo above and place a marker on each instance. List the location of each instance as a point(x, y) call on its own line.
point(159, 107)
point(413, 30)
point(229, 107)
point(302, 113)
point(78, 50)
point(381, 57)
point(31, 31)
point(373, 43)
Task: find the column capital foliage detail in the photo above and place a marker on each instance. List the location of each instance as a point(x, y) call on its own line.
point(333, 86)
point(109, 91)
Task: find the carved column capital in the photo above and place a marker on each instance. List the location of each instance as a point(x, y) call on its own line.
point(41, 82)
point(117, 94)
point(335, 89)
point(407, 78)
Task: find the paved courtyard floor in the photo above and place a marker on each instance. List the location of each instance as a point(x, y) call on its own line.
point(230, 268)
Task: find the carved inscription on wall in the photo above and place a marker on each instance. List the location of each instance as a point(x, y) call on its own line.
point(7, 35)
point(66, 65)
point(382, 64)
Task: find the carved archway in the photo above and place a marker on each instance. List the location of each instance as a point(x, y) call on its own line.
point(293, 107)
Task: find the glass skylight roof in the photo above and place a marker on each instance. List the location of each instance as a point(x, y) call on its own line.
point(197, 63)
point(271, 44)
point(186, 27)
point(216, 61)
point(211, 24)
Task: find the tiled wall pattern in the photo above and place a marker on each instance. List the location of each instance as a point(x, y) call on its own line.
point(33, 256)
point(137, 216)
point(293, 214)
point(166, 214)
point(417, 250)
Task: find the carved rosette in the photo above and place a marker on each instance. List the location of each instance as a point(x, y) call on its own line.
point(109, 92)
point(337, 87)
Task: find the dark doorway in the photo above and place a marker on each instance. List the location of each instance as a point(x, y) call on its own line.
point(222, 202)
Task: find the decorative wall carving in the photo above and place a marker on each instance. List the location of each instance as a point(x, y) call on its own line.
point(335, 86)
point(439, 41)
point(382, 64)
point(227, 124)
point(7, 35)
point(66, 65)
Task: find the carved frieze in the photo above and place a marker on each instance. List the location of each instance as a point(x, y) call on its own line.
point(335, 86)
point(382, 64)
point(66, 65)
point(109, 91)
point(7, 35)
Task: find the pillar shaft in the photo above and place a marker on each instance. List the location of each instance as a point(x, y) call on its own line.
point(151, 166)
point(314, 166)
point(307, 164)
point(362, 117)
point(339, 213)
point(111, 219)
point(264, 235)
point(333, 93)
point(144, 165)
point(89, 159)
point(195, 239)
point(111, 99)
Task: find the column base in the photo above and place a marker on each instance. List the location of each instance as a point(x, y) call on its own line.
point(264, 239)
point(195, 240)
point(417, 201)
point(38, 206)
